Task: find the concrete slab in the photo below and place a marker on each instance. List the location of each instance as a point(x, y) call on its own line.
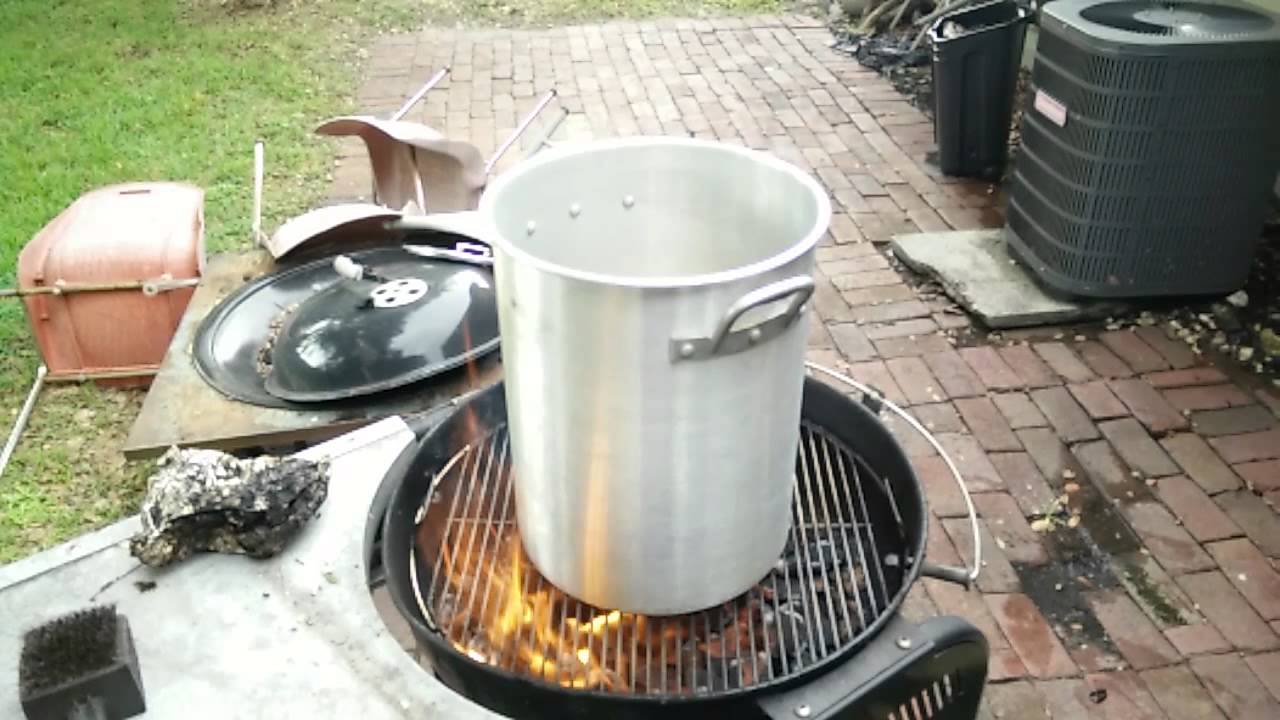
point(976, 270)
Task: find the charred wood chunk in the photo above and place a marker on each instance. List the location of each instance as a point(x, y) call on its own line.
point(208, 501)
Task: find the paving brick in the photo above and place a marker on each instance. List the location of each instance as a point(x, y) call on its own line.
point(1021, 544)
point(1064, 414)
point(828, 302)
point(877, 375)
point(1206, 397)
point(938, 418)
point(912, 442)
point(916, 606)
point(1196, 510)
point(1263, 475)
point(1135, 352)
point(1270, 399)
point(1235, 688)
point(851, 342)
point(864, 262)
point(1137, 639)
point(1153, 589)
point(940, 489)
point(987, 424)
point(875, 295)
point(1050, 455)
point(1186, 378)
point(902, 328)
point(1102, 361)
point(1168, 542)
point(952, 599)
point(1251, 574)
point(1175, 352)
point(1137, 448)
point(1235, 449)
point(1259, 522)
point(974, 466)
point(1004, 664)
point(1098, 400)
point(1028, 366)
point(1030, 636)
point(1125, 696)
point(1200, 463)
point(1180, 694)
point(888, 312)
point(1015, 701)
point(990, 368)
point(859, 280)
point(1267, 668)
point(954, 374)
point(1022, 479)
point(911, 346)
point(1018, 409)
point(1064, 362)
point(1228, 611)
point(917, 383)
point(1148, 406)
point(997, 573)
point(1197, 639)
point(1232, 421)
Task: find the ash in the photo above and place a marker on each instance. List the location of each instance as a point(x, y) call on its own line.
point(208, 501)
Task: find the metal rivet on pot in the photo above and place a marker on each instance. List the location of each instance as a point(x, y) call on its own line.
point(803, 711)
point(628, 201)
point(530, 227)
point(904, 642)
point(754, 336)
point(686, 350)
point(575, 210)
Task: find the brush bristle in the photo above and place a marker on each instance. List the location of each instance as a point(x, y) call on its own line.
point(67, 648)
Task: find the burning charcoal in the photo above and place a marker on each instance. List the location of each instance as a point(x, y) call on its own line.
point(205, 500)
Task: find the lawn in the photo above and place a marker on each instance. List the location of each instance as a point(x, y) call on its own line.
point(118, 90)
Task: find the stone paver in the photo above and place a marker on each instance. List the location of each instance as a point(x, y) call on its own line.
point(1171, 462)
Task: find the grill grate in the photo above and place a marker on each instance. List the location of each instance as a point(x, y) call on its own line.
point(835, 578)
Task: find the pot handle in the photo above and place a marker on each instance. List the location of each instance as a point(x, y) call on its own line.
point(725, 340)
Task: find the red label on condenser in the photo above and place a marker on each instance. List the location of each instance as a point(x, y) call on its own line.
point(1051, 108)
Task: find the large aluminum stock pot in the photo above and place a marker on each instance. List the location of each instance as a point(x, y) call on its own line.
point(652, 298)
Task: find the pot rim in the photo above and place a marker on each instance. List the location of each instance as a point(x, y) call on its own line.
point(821, 221)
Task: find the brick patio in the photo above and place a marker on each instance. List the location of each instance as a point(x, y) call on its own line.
point(1173, 603)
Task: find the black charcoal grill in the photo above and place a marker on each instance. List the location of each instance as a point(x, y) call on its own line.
point(819, 637)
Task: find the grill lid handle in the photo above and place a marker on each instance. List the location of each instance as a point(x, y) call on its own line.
point(960, 575)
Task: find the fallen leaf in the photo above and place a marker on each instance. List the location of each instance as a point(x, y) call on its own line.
point(1069, 474)
point(1073, 521)
point(1072, 487)
point(1042, 525)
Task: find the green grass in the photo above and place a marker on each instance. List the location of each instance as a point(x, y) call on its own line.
point(117, 90)
point(104, 91)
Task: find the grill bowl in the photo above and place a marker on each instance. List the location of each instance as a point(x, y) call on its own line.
point(894, 508)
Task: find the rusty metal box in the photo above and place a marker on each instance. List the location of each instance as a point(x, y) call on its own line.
point(117, 269)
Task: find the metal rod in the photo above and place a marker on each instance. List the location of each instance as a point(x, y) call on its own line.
point(520, 129)
point(976, 569)
point(24, 415)
point(826, 521)
point(259, 164)
point(552, 127)
point(414, 98)
point(810, 468)
point(150, 287)
point(114, 374)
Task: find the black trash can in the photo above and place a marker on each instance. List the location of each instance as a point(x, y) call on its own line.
point(976, 54)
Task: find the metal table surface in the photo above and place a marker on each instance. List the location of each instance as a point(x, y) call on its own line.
point(296, 636)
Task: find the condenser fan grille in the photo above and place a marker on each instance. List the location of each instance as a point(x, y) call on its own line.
point(1176, 19)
